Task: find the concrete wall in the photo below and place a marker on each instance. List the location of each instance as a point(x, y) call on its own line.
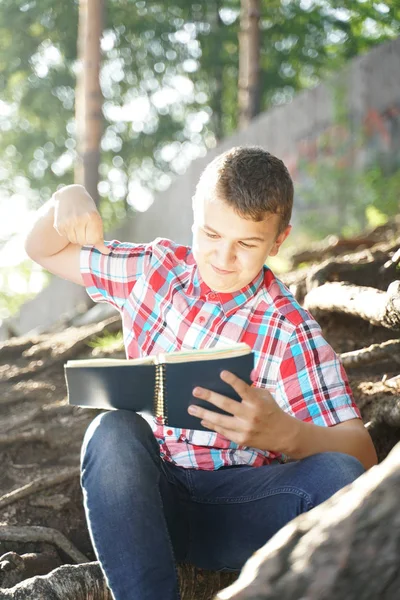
point(373, 84)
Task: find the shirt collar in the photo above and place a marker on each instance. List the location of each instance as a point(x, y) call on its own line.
point(231, 301)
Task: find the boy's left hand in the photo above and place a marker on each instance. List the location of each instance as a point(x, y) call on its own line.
point(257, 421)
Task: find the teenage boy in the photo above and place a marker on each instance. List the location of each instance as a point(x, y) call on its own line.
point(154, 495)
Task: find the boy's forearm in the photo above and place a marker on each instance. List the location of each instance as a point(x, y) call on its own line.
point(43, 240)
point(349, 437)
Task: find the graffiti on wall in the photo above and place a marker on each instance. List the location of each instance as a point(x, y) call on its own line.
point(331, 191)
point(359, 143)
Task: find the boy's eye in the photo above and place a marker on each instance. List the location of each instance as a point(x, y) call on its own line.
point(211, 235)
point(244, 245)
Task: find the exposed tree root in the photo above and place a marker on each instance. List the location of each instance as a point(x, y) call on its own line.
point(372, 354)
point(377, 307)
point(39, 484)
point(41, 534)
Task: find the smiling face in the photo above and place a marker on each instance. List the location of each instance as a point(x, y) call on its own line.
point(230, 250)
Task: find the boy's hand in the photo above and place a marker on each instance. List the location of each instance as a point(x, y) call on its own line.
point(257, 421)
point(76, 217)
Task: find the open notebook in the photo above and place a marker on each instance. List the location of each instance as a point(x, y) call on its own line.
point(161, 385)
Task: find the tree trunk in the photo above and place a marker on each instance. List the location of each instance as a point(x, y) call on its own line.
point(88, 104)
point(216, 99)
point(348, 547)
point(249, 62)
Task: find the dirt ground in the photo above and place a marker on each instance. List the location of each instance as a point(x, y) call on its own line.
point(40, 435)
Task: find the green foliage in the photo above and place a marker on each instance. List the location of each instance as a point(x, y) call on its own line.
point(108, 341)
point(375, 217)
point(149, 46)
point(343, 200)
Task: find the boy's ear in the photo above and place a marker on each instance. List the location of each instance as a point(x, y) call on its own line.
point(279, 241)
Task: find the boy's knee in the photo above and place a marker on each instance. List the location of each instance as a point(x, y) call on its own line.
point(111, 430)
point(348, 468)
point(341, 466)
point(333, 471)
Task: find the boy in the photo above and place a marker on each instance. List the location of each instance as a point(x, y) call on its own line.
point(155, 495)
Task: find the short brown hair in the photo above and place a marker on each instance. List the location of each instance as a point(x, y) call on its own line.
point(252, 181)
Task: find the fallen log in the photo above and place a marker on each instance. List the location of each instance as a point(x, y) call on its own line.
point(348, 547)
point(377, 307)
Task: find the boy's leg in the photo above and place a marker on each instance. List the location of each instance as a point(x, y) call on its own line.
point(236, 510)
point(134, 515)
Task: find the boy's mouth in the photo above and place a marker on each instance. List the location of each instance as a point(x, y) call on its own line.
point(221, 271)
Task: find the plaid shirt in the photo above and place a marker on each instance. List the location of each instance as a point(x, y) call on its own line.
point(165, 307)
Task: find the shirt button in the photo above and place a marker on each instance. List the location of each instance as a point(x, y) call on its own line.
point(212, 296)
point(170, 432)
point(201, 319)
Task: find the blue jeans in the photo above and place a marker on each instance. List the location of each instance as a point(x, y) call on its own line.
point(144, 514)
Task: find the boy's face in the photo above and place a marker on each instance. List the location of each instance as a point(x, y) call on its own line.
point(230, 250)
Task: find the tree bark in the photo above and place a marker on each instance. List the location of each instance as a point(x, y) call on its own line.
point(86, 582)
point(348, 547)
point(218, 87)
point(15, 568)
point(377, 307)
point(249, 62)
point(88, 105)
point(69, 582)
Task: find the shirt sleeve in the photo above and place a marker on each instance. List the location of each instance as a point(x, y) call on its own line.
point(110, 278)
point(312, 383)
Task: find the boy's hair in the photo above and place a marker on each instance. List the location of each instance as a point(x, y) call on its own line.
point(250, 180)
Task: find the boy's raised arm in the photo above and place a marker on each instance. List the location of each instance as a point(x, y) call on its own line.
point(68, 221)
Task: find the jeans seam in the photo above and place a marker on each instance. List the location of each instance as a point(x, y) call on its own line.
point(190, 487)
point(244, 499)
point(190, 483)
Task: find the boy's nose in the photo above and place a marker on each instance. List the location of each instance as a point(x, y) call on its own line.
point(226, 258)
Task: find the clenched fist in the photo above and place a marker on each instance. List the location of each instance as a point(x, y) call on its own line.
point(76, 217)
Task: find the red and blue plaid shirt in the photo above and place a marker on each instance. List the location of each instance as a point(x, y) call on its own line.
point(165, 307)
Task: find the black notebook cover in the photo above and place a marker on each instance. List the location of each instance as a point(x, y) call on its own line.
point(133, 387)
point(182, 378)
